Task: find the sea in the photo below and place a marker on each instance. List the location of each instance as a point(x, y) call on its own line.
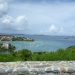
point(44, 43)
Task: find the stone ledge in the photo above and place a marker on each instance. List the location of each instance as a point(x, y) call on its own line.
point(38, 68)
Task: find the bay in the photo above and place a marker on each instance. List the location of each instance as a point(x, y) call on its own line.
point(44, 43)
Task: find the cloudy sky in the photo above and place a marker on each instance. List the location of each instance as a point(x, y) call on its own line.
point(50, 17)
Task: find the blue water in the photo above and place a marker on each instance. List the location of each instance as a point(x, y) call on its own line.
point(44, 43)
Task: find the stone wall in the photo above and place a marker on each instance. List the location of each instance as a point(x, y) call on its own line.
point(38, 68)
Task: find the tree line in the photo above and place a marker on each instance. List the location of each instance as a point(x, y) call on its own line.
point(26, 55)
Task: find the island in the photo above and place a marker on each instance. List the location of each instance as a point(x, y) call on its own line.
point(14, 38)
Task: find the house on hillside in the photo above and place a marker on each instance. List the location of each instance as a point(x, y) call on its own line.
point(5, 45)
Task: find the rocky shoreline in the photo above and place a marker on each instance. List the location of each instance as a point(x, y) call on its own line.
point(38, 68)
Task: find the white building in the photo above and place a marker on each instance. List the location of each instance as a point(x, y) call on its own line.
point(5, 45)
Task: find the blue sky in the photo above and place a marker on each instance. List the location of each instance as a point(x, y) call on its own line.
point(49, 17)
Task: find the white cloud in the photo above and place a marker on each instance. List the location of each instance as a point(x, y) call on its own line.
point(47, 13)
point(61, 31)
point(18, 24)
point(3, 8)
point(7, 19)
point(21, 19)
point(43, 14)
point(52, 28)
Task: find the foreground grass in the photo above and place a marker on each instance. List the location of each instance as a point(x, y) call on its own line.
point(27, 55)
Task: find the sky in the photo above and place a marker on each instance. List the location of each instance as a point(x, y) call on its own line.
point(48, 17)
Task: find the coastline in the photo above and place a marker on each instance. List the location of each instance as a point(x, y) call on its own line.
point(14, 38)
point(37, 67)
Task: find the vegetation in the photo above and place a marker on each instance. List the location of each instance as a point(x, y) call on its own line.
point(21, 39)
point(27, 55)
point(14, 38)
point(11, 47)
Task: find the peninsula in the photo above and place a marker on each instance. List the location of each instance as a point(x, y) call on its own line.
point(14, 38)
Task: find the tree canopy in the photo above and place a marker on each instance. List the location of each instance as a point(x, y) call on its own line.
point(27, 55)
